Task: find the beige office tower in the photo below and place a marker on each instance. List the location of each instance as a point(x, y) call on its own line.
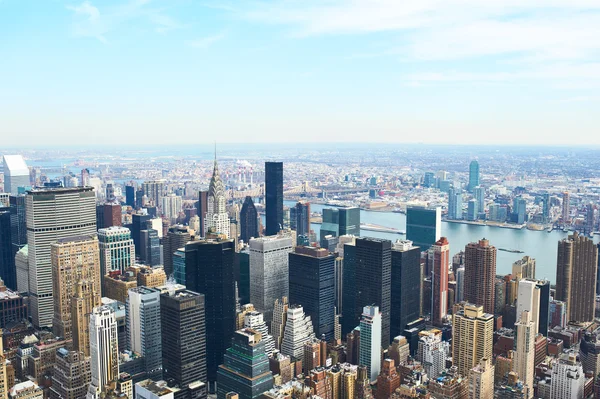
point(3, 378)
point(53, 214)
point(481, 380)
point(524, 268)
point(74, 260)
point(480, 274)
point(83, 303)
point(349, 386)
point(279, 318)
point(472, 340)
point(576, 268)
point(524, 355)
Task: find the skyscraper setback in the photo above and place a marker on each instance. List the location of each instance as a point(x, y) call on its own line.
point(53, 214)
point(274, 197)
point(480, 274)
point(576, 273)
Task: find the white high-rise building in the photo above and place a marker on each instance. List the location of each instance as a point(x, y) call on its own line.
point(171, 206)
point(52, 214)
point(104, 351)
point(432, 353)
point(298, 330)
point(524, 356)
point(369, 352)
point(143, 325)
point(269, 271)
point(528, 299)
point(217, 218)
point(255, 321)
point(117, 251)
point(568, 379)
point(16, 173)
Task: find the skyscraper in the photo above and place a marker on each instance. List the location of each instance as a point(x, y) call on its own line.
point(524, 268)
point(439, 280)
point(423, 226)
point(534, 296)
point(171, 206)
point(298, 330)
point(150, 249)
point(154, 190)
point(519, 210)
point(130, 195)
point(202, 209)
point(274, 197)
point(269, 271)
point(71, 376)
point(472, 337)
point(455, 204)
point(300, 218)
point(16, 173)
point(255, 321)
point(432, 353)
point(481, 380)
point(209, 269)
point(480, 274)
point(280, 309)
point(74, 260)
point(473, 175)
point(217, 219)
point(312, 285)
point(566, 208)
point(405, 286)
point(144, 328)
point(117, 251)
point(524, 360)
point(367, 270)
point(340, 221)
point(248, 220)
point(388, 381)
point(8, 271)
point(103, 350)
point(85, 299)
point(18, 222)
point(576, 271)
point(176, 238)
point(568, 378)
point(479, 195)
point(246, 367)
point(369, 353)
point(183, 336)
point(53, 214)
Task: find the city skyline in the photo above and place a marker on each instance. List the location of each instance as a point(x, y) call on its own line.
point(430, 72)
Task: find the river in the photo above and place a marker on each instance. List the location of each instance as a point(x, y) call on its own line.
point(541, 245)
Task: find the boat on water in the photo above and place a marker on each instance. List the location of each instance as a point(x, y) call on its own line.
point(514, 251)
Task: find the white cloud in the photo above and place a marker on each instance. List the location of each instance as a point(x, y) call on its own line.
point(207, 41)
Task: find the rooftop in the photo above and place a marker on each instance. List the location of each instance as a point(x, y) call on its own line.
point(14, 165)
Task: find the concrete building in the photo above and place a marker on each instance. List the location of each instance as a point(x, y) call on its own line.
point(297, 331)
point(151, 389)
point(26, 390)
point(524, 268)
point(269, 271)
point(144, 327)
point(370, 341)
point(576, 274)
point(53, 214)
point(405, 286)
point(280, 310)
point(254, 320)
point(117, 251)
point(72, 375)
point(472, 336)
point(524, 355)
point(432, 353)
point(480, 274)
point(103, 350)
point(481, 380)
point(568, 378)
point(439, 280)
point(177, 237)
point(16, 173)
point(171, 206)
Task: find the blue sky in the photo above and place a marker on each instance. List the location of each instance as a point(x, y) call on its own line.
point(183, 71)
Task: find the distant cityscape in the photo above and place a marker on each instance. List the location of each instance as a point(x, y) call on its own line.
point(271, 271)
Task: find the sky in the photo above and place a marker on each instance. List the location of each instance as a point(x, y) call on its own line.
point(195, 71)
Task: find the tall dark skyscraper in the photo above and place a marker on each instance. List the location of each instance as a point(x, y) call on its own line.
point(371, 264)
point(349, 290)
point(248, 220)
point(183, 336)
point(300, 218)
point(8, 271)
point(18, 222)
point(349, 221)
point(130, 196)
point(274, 197)
point(473, 175)
point(406, 286)
point(312, 285)
point(544, 313)
point(209, 270)
point(423, 226)
point(202, 210)
point(139, 223)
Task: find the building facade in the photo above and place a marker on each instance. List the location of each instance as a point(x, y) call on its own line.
point(273, 197)
point(480, 274)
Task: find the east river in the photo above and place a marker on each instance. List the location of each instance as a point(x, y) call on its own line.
point(540, 245)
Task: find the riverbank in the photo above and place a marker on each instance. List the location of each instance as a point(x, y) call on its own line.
point(487, 223)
